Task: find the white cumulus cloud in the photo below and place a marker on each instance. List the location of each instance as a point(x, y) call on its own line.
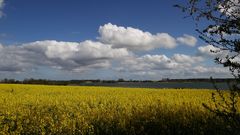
point(209, 50)
point(158, 62)
point(71, 56)
point(187, 40)
point(182, 58)
point(134, 39)
point(210, 70)
point(161, 66)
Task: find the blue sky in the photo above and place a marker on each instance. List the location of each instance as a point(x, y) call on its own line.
point(60, 39)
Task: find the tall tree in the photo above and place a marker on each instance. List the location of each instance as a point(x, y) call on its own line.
point(218, 24)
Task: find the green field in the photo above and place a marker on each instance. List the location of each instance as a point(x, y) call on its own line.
point(37, 109)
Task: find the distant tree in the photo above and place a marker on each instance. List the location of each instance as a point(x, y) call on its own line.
point(121, 80)
point(9, 81)
point(218, 24)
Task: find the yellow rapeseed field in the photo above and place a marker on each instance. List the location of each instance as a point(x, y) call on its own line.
point(39, 109)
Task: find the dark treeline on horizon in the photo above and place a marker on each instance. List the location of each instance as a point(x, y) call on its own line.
point(98, 81)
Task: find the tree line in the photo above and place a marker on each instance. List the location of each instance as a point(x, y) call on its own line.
point(98, 81)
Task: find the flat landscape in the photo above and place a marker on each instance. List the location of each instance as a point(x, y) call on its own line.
point(39, 109)
point(123, 67)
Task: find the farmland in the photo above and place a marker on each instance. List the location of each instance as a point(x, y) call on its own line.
point(38, 109)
